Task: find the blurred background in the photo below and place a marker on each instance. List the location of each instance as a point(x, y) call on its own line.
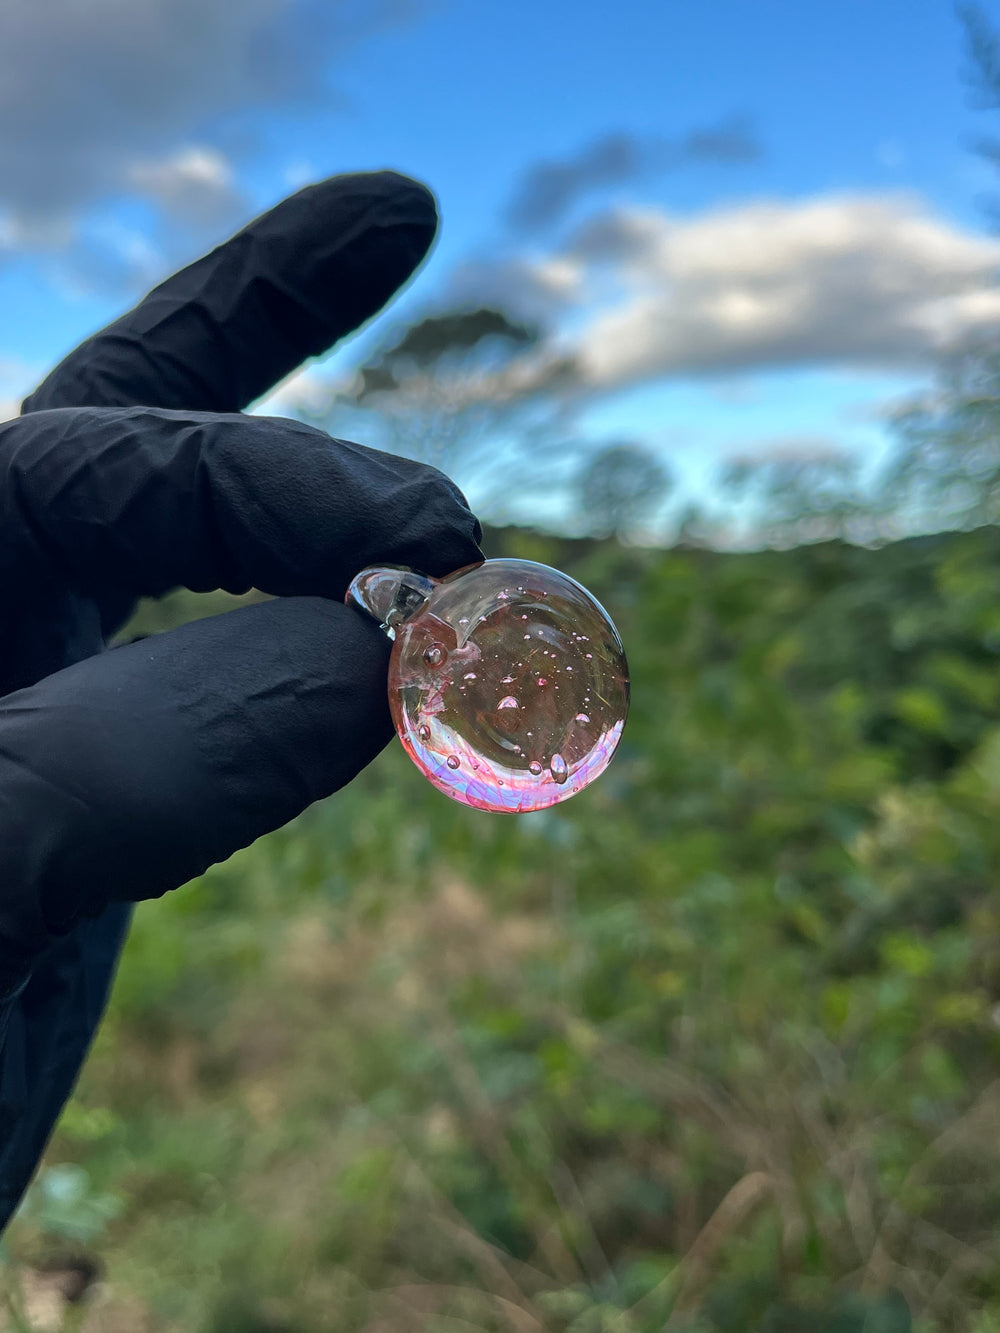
point(713, 324)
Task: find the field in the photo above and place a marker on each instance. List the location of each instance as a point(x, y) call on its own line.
point(713, 1047)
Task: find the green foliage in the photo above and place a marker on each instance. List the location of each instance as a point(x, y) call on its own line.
point(62, 1206)
point(711, 1047)
point(946, 466)
point(473, 391)
point(621, 486)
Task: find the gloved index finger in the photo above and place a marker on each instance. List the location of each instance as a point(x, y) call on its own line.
point(219, 334)
point(118, 503)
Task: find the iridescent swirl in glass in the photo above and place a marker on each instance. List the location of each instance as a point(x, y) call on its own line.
point(508, 682)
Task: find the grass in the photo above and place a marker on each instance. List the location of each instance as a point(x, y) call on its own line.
point(712, 1047)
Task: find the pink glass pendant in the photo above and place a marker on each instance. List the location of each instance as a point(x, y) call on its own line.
point(508, 682)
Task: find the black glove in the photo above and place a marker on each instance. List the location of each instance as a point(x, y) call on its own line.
point(126, 773)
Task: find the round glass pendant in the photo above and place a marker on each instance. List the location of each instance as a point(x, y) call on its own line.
point(508, 682)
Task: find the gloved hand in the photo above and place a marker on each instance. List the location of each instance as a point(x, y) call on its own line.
point(126, 773)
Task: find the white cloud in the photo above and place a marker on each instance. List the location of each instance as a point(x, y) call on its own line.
point(17, 379)
point(105, 98)
point(865, 281)
point(547, 190)
point(804, 450)
point(308, 389)
point(195, 185)
point(531, 288)
point(298, 173)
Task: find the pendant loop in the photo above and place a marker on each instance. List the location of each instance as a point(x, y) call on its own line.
point(389, 594)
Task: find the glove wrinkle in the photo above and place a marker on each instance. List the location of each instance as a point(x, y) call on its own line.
point(131, 773)
point(123, 503)
point(220, 333)
point(215, 337)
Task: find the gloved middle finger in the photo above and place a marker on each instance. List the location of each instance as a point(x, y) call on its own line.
point(118, 503)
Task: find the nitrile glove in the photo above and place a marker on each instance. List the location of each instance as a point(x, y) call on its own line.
point(125, 773)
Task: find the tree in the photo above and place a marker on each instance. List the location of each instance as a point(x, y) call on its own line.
point(473, 392)
point(619, 487)
point(803, 494)
point(945, 470)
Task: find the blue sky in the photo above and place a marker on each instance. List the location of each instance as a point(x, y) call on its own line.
point(863, 174)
